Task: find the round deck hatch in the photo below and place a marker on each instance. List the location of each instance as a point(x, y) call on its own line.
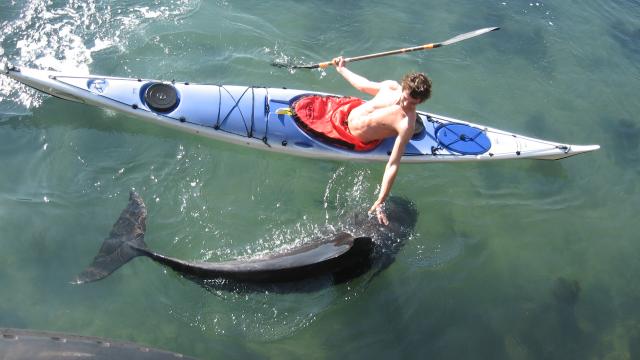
point(161, 97)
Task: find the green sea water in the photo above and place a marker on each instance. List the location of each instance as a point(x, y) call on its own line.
point(509, 260)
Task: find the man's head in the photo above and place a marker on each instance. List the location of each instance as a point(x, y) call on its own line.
point(417, 85)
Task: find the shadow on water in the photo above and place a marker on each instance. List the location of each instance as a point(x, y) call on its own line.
point(624, 140)
point(574, 323)
point(555, 177)
point(628, 39)
point(550, 330)
point(535, 178)
point(537, 125)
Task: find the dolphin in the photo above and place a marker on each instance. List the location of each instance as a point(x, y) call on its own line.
point(340, 256)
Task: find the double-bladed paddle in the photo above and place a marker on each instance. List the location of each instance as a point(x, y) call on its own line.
point(453, 40)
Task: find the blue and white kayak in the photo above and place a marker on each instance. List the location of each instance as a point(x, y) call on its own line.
point(257, 117)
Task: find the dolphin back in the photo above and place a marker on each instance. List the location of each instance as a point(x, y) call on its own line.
point(125, 241)
point(337, 255)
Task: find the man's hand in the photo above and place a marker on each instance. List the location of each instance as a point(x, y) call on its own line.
point(378, 210)
point(338, 63)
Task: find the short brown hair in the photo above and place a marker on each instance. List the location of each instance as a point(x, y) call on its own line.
point(418, 84)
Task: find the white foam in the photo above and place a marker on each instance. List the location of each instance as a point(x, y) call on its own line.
point(64, 37)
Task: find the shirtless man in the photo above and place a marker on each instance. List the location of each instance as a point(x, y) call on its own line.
point(391, 112)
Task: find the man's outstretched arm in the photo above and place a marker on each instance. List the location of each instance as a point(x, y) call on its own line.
point(359, 82)
point(390, 172)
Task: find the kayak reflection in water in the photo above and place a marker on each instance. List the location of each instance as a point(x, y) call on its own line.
point(391, 112)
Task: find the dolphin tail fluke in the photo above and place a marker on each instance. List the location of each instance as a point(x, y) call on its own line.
point(125, 241)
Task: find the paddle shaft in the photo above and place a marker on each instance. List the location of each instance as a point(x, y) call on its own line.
point(324, 65)
point(453, 40)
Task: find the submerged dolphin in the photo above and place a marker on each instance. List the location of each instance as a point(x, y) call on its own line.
point(341, 256)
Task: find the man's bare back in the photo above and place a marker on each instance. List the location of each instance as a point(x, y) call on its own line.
point(380, 117)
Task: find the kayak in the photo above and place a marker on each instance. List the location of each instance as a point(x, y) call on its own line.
point(261, 117)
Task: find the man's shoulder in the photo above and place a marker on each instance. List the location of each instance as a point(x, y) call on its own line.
point(391, 84)
point(406, 123)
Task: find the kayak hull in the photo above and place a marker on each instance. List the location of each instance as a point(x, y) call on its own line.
point(249, 116)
